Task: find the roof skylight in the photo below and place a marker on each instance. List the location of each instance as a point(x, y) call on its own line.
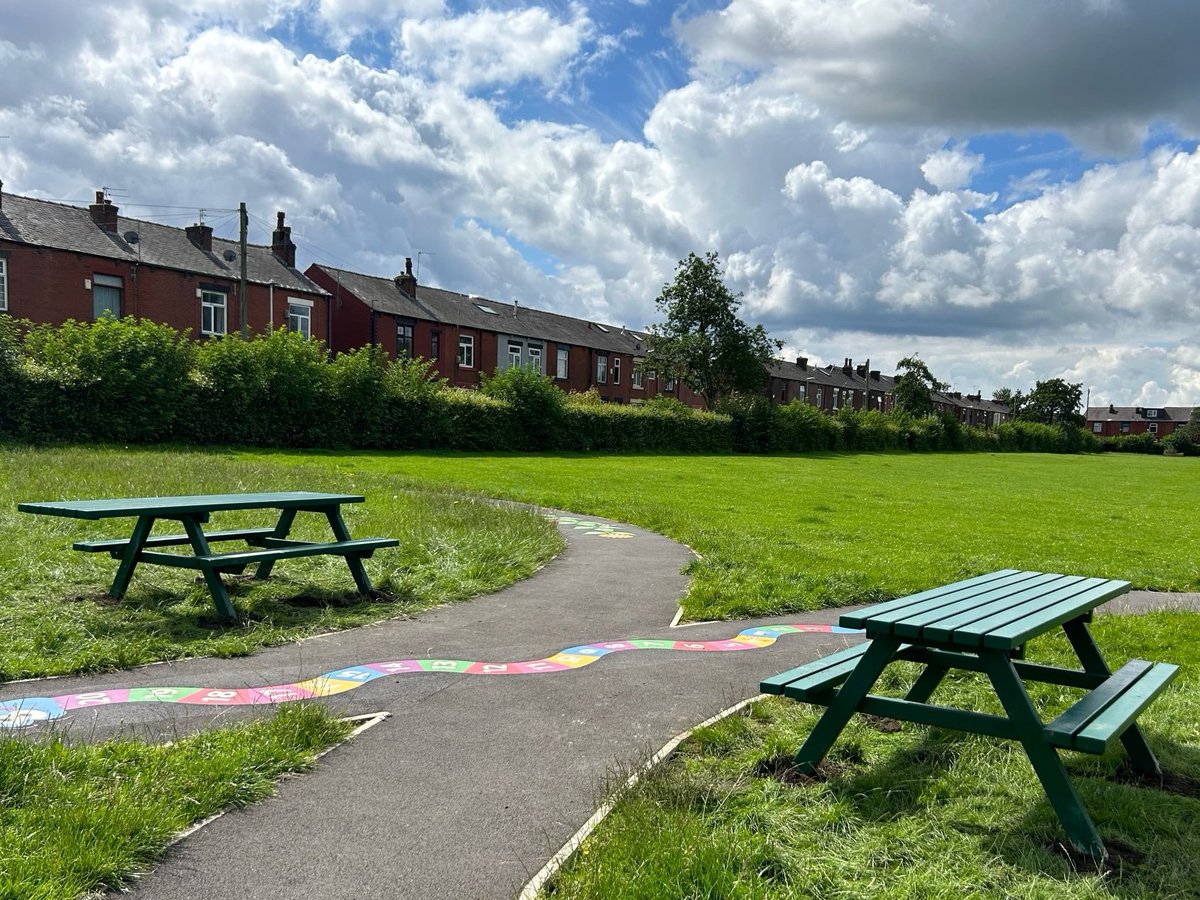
point(486, 309)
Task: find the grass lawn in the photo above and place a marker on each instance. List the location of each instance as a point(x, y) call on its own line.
point(787, 533)
point(56, 619)
point(77, 818)
point(907, 813)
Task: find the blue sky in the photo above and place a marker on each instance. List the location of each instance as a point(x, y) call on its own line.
point(1011, 190)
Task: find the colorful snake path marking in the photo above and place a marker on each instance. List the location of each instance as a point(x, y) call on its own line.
point(27, 711)
point(587, 526)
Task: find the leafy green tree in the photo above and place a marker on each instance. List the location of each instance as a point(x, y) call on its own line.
point(1014, 400)
point(915, 386)
point(1192, 428)
point(1054, 402)
point(703, 343)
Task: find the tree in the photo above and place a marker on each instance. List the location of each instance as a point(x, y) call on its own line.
point(1192, 428)
point(703, 343)
point(915, 386)
point(1054, 402)
point(1014, 400)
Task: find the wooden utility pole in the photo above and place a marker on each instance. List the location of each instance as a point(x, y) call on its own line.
point(243, 303)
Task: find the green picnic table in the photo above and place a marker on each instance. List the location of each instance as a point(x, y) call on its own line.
point(193, 512)
point(981, 625)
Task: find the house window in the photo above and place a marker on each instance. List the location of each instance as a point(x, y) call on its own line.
point(783, 393)
point(1124, 428)
point(651, 374)
point(514, 354)
point(106, 296)
point(820, 396)
point(435, 345)
point(300, 317)
point(1097, 427)
point(668, 384)
point(1153, 426)
point(466, 351)
point(404, 341)
point(213, 305)
point(3, 284)
point(602, 369)
point(636, 378)
point(1152, 414)
point(561, 371)
point(616, 370)
point(802, 391)
point(535, 358)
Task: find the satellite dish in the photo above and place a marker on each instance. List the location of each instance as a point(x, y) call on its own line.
point(229, 255)
point(132, 237)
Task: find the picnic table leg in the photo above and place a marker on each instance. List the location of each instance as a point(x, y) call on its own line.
point(1081, 831)
point(212, 577)
point(282, 528)
point(129, 558)
point(849, 695)
point(926, 683)
point(342, 533)
point(1140, 754)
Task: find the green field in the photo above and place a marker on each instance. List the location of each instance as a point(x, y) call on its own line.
point(786, 533)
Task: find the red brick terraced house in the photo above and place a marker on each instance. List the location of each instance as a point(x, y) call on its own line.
point(466, 335)
point(1110, 421)
point(60, 262)
point(829, 388)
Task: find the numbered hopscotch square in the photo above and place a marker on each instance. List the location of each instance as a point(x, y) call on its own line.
point(571, 660)
point(161, 694)
point(397, 665)
point(94, 698)
point(481, 668)
point(283, 693)
point(326, 687)
point(653, 644)
point(445, 665)
point(358, 674)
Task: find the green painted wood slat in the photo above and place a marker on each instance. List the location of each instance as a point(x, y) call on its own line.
point(816, 669)
point(356, 547)
point(1093, 723)
point(169, 540)
point(974, 607)
point(1021, 629)
point(171, 507)
point(881, 611)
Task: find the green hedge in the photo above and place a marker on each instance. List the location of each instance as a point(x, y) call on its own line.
point(132, 381)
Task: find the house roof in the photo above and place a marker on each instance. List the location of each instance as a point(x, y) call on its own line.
point(1138, 413)
point(43, 223)
point(832, 376)
point(469, 311)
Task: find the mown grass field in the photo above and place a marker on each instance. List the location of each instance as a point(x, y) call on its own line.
point(786, 533)
point(907, 811)
point(56, 619)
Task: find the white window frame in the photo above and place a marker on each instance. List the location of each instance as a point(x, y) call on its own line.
point(616, 367)
point(1097, 427)
point(1153, 427)
point(562, 361)
point(299, 313)
point(1152, 414)
point(637, 379)
point(668, 384)
point(535, 357)
point(435, 344)
point(515, 352)
point(212, 302)
point(601, 368)
point(3, 284)
point(108, 282)
point(406, 345)
point(466, 351)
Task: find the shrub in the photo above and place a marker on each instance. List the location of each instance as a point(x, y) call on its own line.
point(753, 420)
point(1132, 443)
point(112, 380)
point(537, 404)
point(358, 389)
point(800, 428)
point(1181, 442)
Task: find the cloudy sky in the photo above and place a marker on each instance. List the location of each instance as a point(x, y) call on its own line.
point(1010, 189)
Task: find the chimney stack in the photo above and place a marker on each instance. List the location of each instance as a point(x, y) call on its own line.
point(201, 235)
point(407, 283)
point(104, 213)
point(848, 366)
point(1112, 410)
point(802, 363)
point(281, 242)
point(875, 375)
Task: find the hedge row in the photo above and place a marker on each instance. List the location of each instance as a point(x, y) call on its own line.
point(131, 381)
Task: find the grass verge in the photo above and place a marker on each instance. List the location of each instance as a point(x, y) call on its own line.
point(903, 811)
point(56, 619)
point(788, 533)
point(80, 818)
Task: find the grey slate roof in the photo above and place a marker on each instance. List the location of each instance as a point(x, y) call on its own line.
point(42, 223)
point(464, 310)
point(1138, 413)
point(831, 376)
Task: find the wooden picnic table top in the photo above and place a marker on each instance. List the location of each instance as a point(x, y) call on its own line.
point(1000, 610)
point(169, 507)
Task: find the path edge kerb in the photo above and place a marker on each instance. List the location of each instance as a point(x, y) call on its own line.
point(567, 850)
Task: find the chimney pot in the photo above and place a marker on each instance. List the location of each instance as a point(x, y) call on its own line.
point(875, 375)
point(802, 362)
point(201, 236)
point(103, 213)
point(281, 242)
point(407, 283)
point(1112, 409)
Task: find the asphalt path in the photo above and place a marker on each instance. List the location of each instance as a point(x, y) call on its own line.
point(473, 782)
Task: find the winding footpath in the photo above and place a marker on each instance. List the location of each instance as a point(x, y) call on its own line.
point(473, 782)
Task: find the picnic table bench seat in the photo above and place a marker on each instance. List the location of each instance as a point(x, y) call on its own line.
point(117, 546)
point(1094, 722)
point(277, 548)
